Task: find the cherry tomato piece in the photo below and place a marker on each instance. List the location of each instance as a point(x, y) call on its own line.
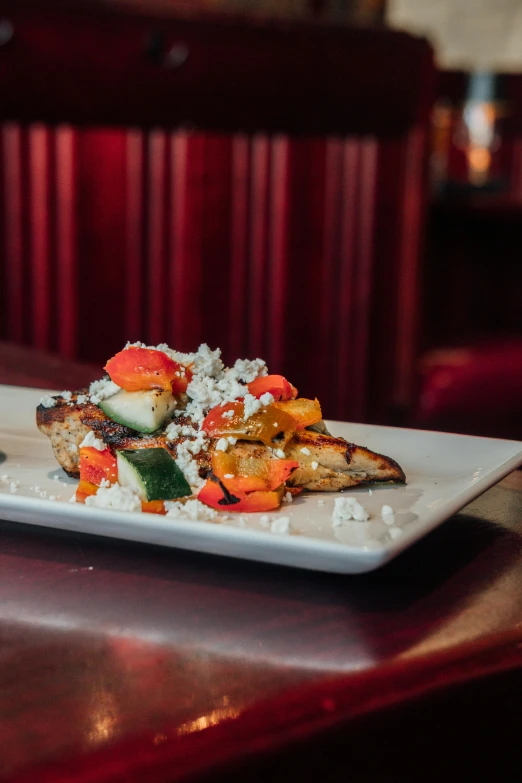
point(276, 385)
point(137, 368)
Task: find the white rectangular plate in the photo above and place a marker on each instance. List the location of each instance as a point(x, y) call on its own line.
point(444, 473)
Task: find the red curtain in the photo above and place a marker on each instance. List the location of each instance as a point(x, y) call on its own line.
point(303, 251)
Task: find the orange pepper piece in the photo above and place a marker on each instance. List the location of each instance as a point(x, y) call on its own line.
point(84, 490)
point(263, 425)
point(250, 474)
point(304, 412)
point(153, 506)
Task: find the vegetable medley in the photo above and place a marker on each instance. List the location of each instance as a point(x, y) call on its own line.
point(151, 395)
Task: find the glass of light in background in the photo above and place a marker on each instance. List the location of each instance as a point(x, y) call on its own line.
point(476, 132)
point(469, 151)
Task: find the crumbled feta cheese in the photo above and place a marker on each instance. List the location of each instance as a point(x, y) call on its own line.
point(288, 497)
point(207, 392)
point(82, 399)
point(227, 414)
point(346, 509)
point(388, 515)
point(47, 401)
point(115, 497)
point(92, 441)
point(280, 454)
point(194, 445)
point(199, 443)
point(247, 371)
point(192, 510)
point(232, 440)
point(137, 344)
point(5, 477)
point(264, 520)
point(305, 451)
point(189, 432)
point(359, 513)
point(52, 497)
point(102, 389)
point(229, 475)
point(190, 469)
point(280, 525)
point(105, 483)
point(204, 395)
point(185, 461)
point(221, 445)
point(315, 465)
point(395, 532)
point(208, 362)
point(194, 411)
point(267, 399)
point(185, 359)
point(173, 431)
point(66, 395)
point(252, 405)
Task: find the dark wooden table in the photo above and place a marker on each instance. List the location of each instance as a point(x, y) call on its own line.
point(123, 662)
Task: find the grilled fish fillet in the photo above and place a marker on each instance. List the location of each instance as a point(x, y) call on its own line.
point(332, 464)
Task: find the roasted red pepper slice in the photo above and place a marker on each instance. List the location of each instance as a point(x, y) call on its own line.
point(263, 425)
point(223, 418)
point(276, 385)
point(137, 368)
point(96, 466)
point(215, 495)
point(250, 474)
